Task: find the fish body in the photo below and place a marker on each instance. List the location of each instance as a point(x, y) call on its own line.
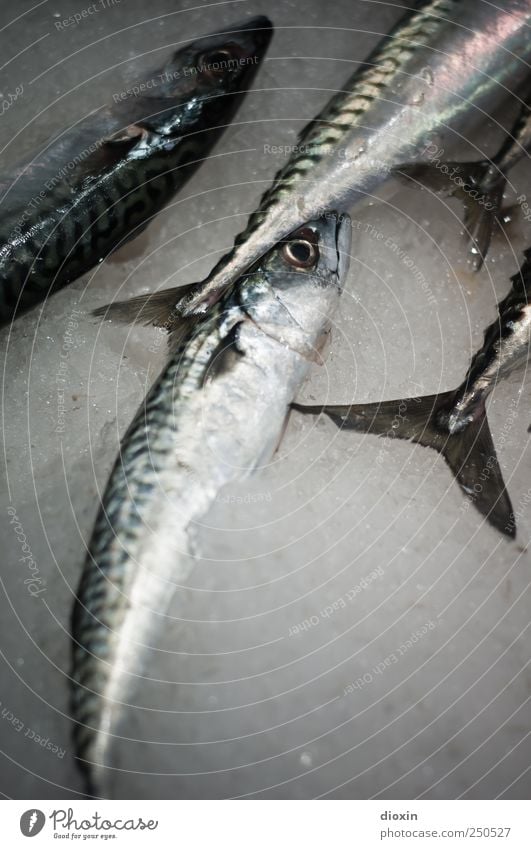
point(215, 415)
point(455, 423)
point(99, 183)
point(440, 63)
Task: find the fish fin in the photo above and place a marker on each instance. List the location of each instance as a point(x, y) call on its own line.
point(282, 431)
point(224, 355)
point(111, 151)
point(479, 185)
point(159, 309)
point(469, 452)
point(480, 220)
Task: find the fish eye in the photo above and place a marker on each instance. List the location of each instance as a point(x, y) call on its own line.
point(215, 62)
point(300, 254)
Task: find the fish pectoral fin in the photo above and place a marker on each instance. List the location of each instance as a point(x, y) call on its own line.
point(132, 133)
point(470, 452)
point(110, 152)
point(156, 308)
point(282, 431)
point(479, 185)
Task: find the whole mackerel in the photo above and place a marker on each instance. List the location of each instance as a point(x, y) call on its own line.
point(455, 423)
point(215, 415)
point(442, 62)
point(98, 184)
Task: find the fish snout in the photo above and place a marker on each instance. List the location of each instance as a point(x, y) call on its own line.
point(253, 35)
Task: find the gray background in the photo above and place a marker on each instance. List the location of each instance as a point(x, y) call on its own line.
point(239, 707)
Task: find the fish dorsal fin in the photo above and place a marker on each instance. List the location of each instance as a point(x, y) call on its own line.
point(154, 308)
point(158, 309)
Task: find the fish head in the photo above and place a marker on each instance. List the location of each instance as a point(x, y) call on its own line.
point(202, 83)
point(293, 292)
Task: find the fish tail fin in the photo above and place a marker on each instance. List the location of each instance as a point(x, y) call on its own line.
point(469, 451)
point(479, 185)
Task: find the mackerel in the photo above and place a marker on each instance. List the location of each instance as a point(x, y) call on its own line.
point(215, 415)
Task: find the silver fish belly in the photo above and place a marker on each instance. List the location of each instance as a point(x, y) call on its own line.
point(214, 415)
point(440, 64)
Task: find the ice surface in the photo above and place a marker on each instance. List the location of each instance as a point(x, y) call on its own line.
point(248, 709)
